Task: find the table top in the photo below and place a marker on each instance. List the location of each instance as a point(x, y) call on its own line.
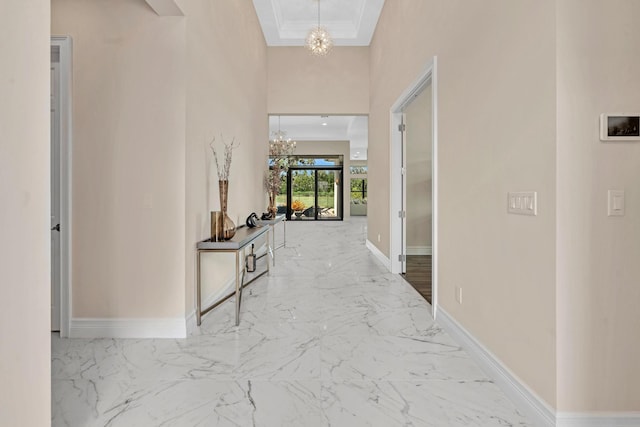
point(275, 220)
point(244, 235)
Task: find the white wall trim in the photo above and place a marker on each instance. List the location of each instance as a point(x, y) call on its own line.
point(191, 323)
point(418, 250)
point(428, 75)
point(378, 254)
point(520, 394)
point(128, 328)
point(65, 44)
point(598, 419)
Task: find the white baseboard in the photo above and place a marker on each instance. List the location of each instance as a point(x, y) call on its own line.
point(376, 252)
point(520, 394)
point(192, 324)
point(128, 328)
point(419, 250)
point(598, 419)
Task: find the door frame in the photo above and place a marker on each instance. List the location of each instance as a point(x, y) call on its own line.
point(65, 45)
point(428, 76)
point(315, 169)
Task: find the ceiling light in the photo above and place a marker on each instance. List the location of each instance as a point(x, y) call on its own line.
point(318, 40)
point(281, 146)
point(324, 123)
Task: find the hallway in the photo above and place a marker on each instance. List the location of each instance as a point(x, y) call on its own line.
point(330, 337)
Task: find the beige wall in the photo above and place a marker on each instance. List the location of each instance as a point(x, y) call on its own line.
point(331, 147)
point(300, 83)
point(149, 95)
point(25, 312)
point(226, 95)
point(598, 270)
point(128, 158)
point(496, 69)
point(418, 118)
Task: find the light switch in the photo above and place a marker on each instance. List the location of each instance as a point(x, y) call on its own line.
point(616, 203)
point(522, 203)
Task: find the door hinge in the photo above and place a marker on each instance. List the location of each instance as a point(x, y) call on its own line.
point(402, 127)
point(402, 258)
point(402, 214)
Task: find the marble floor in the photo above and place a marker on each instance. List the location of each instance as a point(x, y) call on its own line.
point(329, 338)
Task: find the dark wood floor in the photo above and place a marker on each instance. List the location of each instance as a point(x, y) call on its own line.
point(419, 274)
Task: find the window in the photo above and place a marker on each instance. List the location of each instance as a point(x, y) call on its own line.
point(359, 189)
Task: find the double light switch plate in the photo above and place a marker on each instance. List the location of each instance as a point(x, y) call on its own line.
point(522, 203)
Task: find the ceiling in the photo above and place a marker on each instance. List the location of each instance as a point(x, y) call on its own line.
point(350, 23)
point(337, 128)
point(287, 22)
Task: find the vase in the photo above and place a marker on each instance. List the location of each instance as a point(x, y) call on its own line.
point(272, 209)
point(228, 227)
point(217, 226)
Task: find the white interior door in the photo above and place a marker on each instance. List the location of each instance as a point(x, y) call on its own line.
point(55, 192)
point(403, 212)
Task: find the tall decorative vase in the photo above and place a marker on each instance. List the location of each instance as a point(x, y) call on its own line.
point(229, 228)
point(272, 204)
point(217, 223)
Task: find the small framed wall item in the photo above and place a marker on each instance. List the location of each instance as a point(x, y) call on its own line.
point(620, 127)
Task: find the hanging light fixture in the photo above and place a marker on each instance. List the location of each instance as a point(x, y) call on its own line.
point(281, 146)
point(319, 41)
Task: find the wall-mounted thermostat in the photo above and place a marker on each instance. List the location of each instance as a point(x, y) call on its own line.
point(620, 127)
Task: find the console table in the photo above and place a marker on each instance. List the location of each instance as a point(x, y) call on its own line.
point(244, 237)
point(272, 223)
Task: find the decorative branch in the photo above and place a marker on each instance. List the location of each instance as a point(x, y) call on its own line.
point(223, 173)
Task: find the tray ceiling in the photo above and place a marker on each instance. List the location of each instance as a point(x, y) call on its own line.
point(354, 129)
point(287, 22)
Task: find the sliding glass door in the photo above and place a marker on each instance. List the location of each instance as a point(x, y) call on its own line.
point(314, 193)
point(329, 194)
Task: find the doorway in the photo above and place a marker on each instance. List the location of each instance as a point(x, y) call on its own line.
point(417, 181)
point(314, 193)
point(413, 152)
point(60, 184)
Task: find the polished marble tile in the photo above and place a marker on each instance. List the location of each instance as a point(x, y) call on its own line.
point(196, 402)
point(328, 338)
point(418, 403)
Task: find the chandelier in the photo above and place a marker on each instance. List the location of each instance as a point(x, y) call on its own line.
point(281, 147)
point(319, 41)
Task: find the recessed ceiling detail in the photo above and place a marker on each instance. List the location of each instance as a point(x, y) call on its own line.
point(354, 129)
point(287, 22)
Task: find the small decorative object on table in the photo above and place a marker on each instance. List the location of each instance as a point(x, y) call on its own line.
point(252, 220)
point(229, 228)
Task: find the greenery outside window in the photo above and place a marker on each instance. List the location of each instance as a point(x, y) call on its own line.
point(358, 170)
point(359, 189)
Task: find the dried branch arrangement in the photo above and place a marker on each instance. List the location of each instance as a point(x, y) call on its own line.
point(223, 173)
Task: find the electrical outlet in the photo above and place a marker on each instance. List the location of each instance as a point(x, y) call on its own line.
point(459, 294)
point(378, 237)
